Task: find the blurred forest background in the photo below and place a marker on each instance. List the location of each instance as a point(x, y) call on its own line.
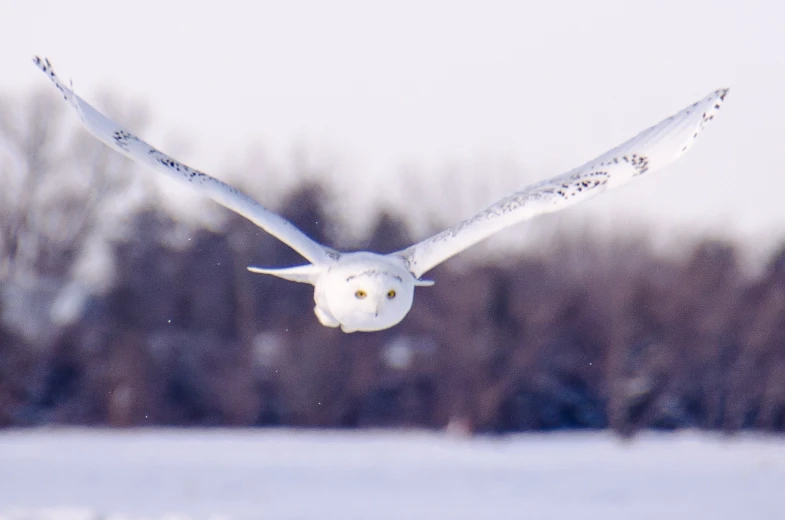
point(169, 328)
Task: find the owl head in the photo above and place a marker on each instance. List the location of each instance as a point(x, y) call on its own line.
point(367, 297)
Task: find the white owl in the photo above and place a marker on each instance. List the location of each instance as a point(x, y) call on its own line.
point(365, 291)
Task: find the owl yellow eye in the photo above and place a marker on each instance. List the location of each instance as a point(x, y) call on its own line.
point(390, 294)
point(360, 294)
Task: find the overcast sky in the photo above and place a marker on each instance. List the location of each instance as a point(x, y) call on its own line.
point(542, 85)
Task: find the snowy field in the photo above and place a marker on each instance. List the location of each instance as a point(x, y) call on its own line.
point(283, 474)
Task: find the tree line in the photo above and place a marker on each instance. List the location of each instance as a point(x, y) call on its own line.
point(591, 334)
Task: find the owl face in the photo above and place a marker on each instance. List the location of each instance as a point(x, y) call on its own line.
point(368, 298)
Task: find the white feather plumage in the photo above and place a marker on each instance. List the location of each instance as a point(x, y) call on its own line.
point(368, 291)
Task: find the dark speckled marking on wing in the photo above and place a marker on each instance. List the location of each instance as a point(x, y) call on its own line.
point(45, 66)
point(121, 138)
point(548, 191)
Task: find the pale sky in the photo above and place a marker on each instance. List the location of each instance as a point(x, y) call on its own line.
point(545, 86)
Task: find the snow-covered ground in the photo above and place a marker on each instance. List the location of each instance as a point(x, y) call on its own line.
point(284, 474)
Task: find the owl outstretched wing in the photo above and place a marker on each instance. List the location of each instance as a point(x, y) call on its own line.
point(650, 150)
point(128, 144)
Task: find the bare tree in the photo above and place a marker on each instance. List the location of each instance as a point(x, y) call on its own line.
point(60, 185)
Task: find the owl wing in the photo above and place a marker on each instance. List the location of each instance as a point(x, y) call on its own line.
point(648, 151)
point(128, 144)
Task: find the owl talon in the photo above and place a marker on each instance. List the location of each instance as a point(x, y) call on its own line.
point(325, 318)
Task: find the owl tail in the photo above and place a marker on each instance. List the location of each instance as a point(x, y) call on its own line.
point(301, 273)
